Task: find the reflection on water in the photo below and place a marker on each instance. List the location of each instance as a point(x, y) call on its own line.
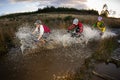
point(109, 70)
point(116, 30)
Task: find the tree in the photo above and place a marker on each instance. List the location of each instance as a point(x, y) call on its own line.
point(105, 11)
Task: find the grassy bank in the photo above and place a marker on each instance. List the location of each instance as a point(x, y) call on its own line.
point(56, 20)
point(6, 39)
point(105, 49)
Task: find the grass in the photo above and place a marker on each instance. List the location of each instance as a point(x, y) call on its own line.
point(104, 49)
point(6, 39)
point(58, 20)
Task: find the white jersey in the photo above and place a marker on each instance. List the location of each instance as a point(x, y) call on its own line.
point(40, 30)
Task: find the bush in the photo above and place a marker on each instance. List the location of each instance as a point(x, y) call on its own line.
point(105, 49)
point(68, 18)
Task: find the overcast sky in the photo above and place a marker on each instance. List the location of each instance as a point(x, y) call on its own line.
point(15, 6)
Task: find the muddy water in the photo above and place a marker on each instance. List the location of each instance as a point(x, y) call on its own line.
point(43, 65)
point(109, 71)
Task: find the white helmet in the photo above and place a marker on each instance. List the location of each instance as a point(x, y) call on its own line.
point(38, 22)
point(75, 21)
point(99, 18)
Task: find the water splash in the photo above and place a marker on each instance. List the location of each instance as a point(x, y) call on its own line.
point(25, 37)
point(108, 34)
point(60, 37)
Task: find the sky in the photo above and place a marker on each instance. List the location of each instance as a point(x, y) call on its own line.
point(17, 6)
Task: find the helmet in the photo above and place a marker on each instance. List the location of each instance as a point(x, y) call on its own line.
point(99, 18)
point(75, 21)
point(38, 22)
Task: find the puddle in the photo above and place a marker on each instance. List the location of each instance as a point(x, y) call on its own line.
point(107, 71)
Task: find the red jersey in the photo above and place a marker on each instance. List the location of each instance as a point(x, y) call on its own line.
point(73, 26)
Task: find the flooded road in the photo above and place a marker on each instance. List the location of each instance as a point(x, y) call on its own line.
point(43, 65)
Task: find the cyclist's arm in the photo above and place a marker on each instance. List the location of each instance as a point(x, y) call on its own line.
point(71, 27)
point(81, 27)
